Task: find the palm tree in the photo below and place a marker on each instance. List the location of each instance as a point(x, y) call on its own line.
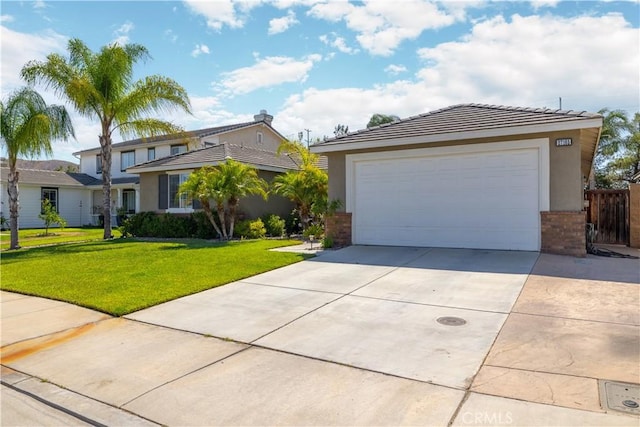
point(200, 186)
point(27, 127)
point(99, 85)
point(307, 187)
point(225, 184)
point(239, 180)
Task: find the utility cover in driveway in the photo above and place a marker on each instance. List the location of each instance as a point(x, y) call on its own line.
point(623, 397)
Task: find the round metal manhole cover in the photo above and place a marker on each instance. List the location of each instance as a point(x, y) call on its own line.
point(451, 321)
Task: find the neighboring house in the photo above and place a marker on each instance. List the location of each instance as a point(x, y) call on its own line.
point(147, 171)
point(68, 192)
point(160, 179)
point(126, 193)
point(466, 176)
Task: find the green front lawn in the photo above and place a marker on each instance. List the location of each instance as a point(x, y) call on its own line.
point(35, 236)
point(125, 275)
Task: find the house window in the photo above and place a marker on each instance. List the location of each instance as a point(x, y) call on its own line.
point(99, 164)
point(127, 159)
point(129, 201)
point(174, 184)
point(151, 153)
point(259, 137)
point(50, 194)
point(177, 149)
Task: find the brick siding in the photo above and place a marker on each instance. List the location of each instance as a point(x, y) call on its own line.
point(339, 228)
point(564, 233)
point(634, 215)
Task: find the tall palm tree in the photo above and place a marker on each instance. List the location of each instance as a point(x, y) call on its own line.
point(27, 127)
point(239, 180)
point(99, 85)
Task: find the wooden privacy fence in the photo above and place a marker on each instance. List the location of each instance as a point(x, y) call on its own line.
point(608, 211)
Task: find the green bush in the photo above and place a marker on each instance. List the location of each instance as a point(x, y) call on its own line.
point(314, 230)
point(274, 224)
point(203, 228)
point(248, 229)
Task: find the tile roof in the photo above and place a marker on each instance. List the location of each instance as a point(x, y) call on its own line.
point(51, 178)
point(461, 118)
point(216, 154)
point(199, 133)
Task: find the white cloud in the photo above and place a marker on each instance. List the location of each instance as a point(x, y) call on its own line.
point(280, 25)
point(537, 4)
point(121, 34)
point(223, 12)
point(39, 4)
point(523, 61)
point(382, 25)
point(6, 18)
point(270, 71)
point(339, 43)
point(199, 49)
point(394, 69)
point(19, 48)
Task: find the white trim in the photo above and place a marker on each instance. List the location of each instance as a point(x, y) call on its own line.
point(456, 136)
point(541, 144)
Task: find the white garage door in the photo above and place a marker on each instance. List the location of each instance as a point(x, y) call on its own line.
point(482, 199)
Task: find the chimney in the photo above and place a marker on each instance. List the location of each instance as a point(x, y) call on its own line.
point(263, 117)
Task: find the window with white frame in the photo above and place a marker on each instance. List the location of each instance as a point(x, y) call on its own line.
point(151, 153)
point(127, 159)
point(99, 164)
point(259, 137)
point(51, 194)
point(177, 149)
point(174, 185)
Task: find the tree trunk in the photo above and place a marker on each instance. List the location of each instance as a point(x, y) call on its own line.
point(223, 224)
point(12, 190)
point(105, 152)
point(233, 204)
point(207, 211)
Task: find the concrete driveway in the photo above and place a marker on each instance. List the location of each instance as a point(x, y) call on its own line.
point(360, 336)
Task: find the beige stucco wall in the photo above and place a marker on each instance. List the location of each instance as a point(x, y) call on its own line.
point(149, 192)
point(248, 137)
point(566, 174)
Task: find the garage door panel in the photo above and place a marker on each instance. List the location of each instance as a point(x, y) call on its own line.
point(476, 200)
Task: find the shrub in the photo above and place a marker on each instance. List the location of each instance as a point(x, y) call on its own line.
point(203, 228)
point(274, 224)
point(250, 229)
point(314, 230)
point(327, 242)
point(50, 216)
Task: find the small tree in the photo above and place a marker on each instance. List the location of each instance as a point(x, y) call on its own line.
point(50, 216)
point(380, 119)
point(225, 184)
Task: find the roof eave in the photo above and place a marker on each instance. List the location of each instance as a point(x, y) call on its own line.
point(455, 136)
point(199, 165)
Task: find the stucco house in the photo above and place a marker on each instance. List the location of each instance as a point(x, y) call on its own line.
point(466, 176)
point(145, 174)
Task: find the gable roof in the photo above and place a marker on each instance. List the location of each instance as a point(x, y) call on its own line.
point(48, 178)
point(461, 121)
point(261, 159)
point(199, 133)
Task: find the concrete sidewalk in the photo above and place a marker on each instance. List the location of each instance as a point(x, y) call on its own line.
point(348, 338)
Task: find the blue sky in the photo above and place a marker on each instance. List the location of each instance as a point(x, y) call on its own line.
point(314, 64)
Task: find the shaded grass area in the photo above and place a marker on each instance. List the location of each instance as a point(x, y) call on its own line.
point(126, 275)
point(35, 236)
